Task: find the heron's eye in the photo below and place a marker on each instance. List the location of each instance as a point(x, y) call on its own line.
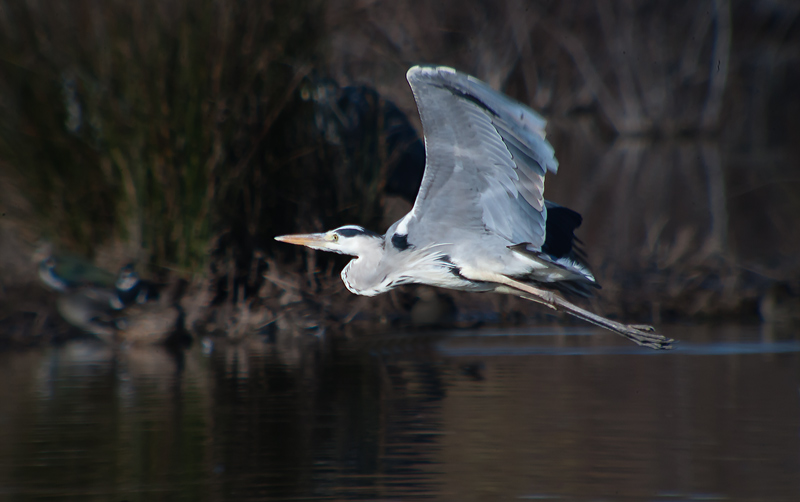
point(335, 237)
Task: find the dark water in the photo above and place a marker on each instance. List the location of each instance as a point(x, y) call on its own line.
point(516, 415)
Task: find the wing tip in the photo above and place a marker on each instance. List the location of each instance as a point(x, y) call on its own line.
point(528, 118)
point(423, 70)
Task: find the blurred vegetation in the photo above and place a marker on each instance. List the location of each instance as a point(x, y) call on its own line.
point(188, 134)
point(143, 121)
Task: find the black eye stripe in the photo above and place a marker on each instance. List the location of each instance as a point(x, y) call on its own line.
point(352, 231)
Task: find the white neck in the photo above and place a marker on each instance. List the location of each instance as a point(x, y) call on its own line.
point(362, 275)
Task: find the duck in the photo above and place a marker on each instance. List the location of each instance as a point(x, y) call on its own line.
point(67, 273)
point(113, 308)
point(90, 310)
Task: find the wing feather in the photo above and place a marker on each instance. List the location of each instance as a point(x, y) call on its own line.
point(486, 158)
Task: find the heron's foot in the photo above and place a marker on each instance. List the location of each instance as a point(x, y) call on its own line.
point(646, 336)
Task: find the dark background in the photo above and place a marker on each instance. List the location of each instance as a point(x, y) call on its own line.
point(183, 135)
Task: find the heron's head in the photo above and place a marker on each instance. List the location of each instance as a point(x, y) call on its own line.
point(350, 240)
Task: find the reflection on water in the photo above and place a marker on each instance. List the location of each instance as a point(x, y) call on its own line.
point(491, 415)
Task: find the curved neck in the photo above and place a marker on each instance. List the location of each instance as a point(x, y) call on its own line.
point(363, 275)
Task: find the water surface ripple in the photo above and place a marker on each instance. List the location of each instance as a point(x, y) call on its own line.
point(551, 414)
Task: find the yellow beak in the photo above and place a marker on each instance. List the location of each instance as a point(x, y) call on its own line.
point(314, 241)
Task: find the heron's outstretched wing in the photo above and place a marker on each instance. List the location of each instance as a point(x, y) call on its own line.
point(486, 157)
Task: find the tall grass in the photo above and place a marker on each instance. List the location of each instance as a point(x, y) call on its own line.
point(137, 120)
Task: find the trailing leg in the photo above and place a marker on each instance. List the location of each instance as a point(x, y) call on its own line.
point(640, 334)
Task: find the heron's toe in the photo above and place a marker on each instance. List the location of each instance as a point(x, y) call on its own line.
point(645, 335)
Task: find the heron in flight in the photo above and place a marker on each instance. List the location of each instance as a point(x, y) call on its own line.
point(479, 222)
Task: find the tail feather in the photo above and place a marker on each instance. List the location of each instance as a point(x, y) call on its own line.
point(563, 274)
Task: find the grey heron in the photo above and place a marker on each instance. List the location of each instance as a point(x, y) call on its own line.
point(479, 219)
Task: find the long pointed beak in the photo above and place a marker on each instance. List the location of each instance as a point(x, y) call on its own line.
point(314, 241)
